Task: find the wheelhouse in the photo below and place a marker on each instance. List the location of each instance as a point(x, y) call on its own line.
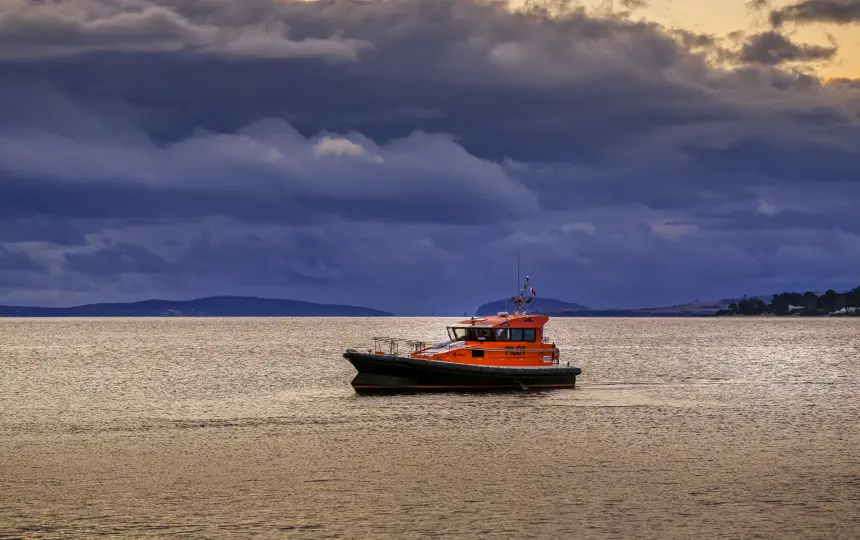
point(460, 333)
point(508, 340)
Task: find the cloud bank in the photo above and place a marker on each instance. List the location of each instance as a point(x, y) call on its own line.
point(43, 29)
point(388, 152)
point(818, 11)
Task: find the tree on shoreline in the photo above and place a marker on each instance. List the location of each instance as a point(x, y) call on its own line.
point(795, 303)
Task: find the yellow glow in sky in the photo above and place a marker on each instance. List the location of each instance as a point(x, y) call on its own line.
point(730, 15)
point(725, 16)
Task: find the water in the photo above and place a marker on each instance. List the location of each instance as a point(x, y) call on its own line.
point(248, 428)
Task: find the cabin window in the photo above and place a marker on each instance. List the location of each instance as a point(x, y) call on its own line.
point(472, 334)
point(477, 353)
point(483, 334)
point(458, 334)
point(515, 334)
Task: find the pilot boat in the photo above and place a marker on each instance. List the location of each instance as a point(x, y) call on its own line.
point(508, 351)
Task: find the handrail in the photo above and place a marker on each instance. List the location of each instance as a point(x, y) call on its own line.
point(399, 340)
point(393, 344)
point(417, 346)
point(512, 349)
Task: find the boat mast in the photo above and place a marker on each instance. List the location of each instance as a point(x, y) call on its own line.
point(521, 300)
point(516, 306)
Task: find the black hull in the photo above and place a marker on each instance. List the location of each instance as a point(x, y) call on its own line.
point(397, 374)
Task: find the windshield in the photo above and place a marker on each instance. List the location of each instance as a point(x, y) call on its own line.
point(491, 334)
point(457, 334)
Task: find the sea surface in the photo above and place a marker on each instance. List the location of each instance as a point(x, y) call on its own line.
point(248, 428)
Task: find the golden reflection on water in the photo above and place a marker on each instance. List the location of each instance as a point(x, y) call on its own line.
point(240, 428)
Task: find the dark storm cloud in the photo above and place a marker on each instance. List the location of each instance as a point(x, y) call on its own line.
point(758, 5)
point(789, 162)
point(179, 148)
point(773, 48)
point(266, 172)
point(42, 229)
point(42, 29)
point(572, 89)
point(18, 261)
point(773, 220)
point(117, 259)
point(298, 258)
point(844, 82)
point(634, 4)
point(818, 11)
point(472, 66)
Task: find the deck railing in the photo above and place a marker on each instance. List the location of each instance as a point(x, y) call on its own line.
point(390, 345)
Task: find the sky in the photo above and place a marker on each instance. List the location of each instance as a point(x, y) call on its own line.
point(729, 16)
point(397, 153)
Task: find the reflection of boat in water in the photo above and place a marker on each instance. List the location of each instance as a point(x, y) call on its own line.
point(501, 352)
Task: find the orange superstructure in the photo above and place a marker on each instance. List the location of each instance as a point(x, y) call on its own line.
point(500, 340)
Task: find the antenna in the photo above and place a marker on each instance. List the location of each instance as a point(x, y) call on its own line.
point(521, 300)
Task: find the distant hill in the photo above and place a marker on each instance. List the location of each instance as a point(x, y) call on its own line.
point(545, 306)
point(559, 308)
point(727, 301)
point(216, 306)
